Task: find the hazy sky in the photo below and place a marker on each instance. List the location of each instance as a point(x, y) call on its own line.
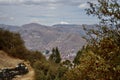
point(48, 12)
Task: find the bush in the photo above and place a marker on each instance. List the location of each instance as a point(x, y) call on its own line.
point(12, 43)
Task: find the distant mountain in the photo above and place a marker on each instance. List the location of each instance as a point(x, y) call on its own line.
point(9, 27)
point(67, 37)
point(66, 25)
point(72, 28)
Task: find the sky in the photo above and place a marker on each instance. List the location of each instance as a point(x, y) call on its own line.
point(47, 12)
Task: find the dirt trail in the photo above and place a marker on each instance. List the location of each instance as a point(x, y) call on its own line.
point(9, 62)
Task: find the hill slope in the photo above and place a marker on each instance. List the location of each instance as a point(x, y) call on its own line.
point(68, 38)
point(10, 62)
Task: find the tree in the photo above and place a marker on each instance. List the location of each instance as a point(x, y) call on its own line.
point(101, 60)
point(55, 56)
point(108, 13)
point(51, 57)
point(107, 35)
point(61, 71)
point(58, 57)
point(106, 10)
point(77, 57)
point(92, 67)
point(67, 64)
point(12, 43)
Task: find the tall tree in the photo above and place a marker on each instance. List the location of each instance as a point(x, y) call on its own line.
point(55, 56)
point(76, 60)
point(58, 57)
point(77, 57)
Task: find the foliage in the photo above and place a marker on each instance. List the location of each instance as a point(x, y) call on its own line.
point(46, 70)
point(35, 56)
point(55, 56)
point(108, 13)
point(61, 71)
point(100, 60)
point(67, 64)
point(12, 43)
point(106, 10)
point(77, 57)
point(92, 67)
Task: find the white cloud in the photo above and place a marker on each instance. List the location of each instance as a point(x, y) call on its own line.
point(34, 20)
point(26, 1)
point(83, 6)
point(63, 22)
point(11, 1)
point(46, 2)
point(11, 18)
point(6, 18)
point(52, 8)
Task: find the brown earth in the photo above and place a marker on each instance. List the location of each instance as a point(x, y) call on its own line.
point(10, 62)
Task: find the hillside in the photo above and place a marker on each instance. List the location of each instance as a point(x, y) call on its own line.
point(68, 38)
point(10, 62)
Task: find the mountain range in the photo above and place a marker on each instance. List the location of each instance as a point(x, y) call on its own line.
point(67, 37)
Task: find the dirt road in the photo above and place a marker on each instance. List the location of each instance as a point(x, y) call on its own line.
point(10, 62)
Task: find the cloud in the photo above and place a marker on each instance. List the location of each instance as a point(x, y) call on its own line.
point(52, 8)
point(10, 2)
point(34, 20)
point(44, 2)
point(11, 18)
point(27, 2)
point(44, 11)
point(83, 6)
point(6, 18)
point(63, 22)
